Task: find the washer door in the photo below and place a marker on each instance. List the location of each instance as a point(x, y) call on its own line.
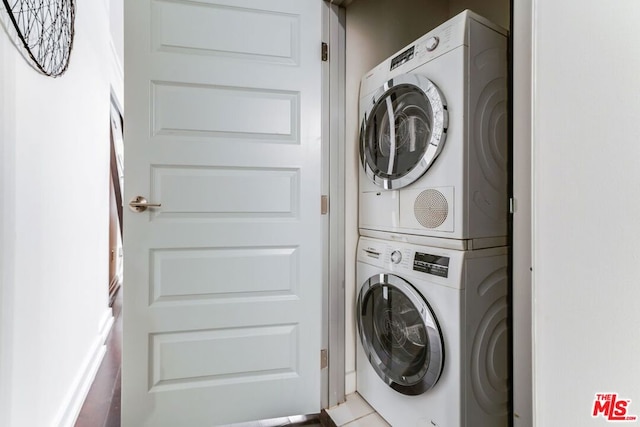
point(400, 334)
point(403, 131)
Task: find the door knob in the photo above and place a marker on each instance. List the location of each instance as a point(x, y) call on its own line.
point(140, 204)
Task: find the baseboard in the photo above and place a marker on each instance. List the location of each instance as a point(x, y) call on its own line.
point(105, 325)
point(72, 404)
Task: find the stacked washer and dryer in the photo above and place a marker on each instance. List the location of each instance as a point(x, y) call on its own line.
point(432, 256)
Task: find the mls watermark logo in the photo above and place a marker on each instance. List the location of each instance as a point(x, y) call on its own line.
point(612, 408)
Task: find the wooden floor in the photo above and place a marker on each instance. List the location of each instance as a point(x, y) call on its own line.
point(102, 405)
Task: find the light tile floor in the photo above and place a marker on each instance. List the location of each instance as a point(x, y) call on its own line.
point(356, 412)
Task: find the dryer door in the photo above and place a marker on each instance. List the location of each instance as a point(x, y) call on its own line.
point(403, 130)
point(400, 334)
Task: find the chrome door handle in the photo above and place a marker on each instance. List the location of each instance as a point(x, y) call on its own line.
point(140, 204)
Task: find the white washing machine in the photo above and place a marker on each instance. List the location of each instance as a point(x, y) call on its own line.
point(433, 338)
point(433, 136)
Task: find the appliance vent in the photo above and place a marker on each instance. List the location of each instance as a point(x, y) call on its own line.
point(431, 208)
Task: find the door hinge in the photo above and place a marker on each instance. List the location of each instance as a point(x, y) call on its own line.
point(512, 205)
point(324, 358)
point(325, 51)
point(324, 204)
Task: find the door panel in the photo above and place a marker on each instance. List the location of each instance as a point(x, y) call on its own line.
point(222, 295)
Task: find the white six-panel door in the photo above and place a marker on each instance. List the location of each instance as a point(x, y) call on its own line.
point(222, 289)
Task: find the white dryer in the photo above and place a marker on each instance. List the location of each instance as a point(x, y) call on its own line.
point(433, 337)
point(433, 135)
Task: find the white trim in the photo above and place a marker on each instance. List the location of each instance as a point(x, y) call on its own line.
point(105, 324)
point(523, 404)
point(533, 16)
point(333, 151)
point(116, 76)
point(336, 190)
point(72, 403)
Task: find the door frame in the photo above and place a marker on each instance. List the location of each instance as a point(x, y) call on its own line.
point(522, 373)
point(333, 185)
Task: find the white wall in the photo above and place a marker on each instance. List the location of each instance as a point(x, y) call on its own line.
point(375, 30)
point(116, 21)
point(55, 225)
point(7, 222)
point(586, 207)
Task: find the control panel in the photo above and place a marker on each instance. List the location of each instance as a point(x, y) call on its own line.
point(431, 264)
point(429, 46)
point(400, 59)
point(399, 257)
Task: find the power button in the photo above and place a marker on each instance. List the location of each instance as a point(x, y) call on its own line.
point(432, 43)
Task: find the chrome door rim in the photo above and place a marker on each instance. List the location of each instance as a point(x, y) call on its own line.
point(436, 343)
point(437, 138)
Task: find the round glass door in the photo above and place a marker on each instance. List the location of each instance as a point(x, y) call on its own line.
point(400, 334)
point(402, 131)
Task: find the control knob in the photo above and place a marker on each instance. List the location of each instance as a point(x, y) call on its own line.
point(396, 257)
point(432, 43)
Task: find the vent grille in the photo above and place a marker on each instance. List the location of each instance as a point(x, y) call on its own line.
point(431, 208)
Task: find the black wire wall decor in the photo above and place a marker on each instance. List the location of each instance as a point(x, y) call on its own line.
point(43, 31)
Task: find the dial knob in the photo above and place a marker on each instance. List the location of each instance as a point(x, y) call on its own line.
point(396, 257)
point(432, 43)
